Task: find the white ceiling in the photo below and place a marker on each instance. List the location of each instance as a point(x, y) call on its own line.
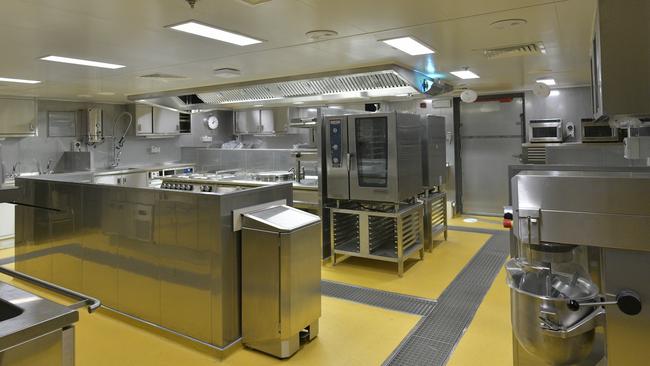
point(132, 33)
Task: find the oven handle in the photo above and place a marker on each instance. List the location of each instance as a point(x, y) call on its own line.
point(349, 161)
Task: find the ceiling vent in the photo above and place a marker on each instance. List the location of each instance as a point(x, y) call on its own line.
point(255, 2)
point(529, 49)
point(162, 76)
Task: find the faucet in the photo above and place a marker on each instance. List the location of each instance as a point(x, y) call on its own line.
point(15, 170)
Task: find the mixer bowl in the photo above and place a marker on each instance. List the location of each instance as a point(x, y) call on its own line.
point(541, 320)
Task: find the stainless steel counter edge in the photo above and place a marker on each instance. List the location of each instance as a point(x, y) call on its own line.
point(40, 316)
point(127, 169)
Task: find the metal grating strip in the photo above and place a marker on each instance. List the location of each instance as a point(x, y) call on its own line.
point(382, 299)
point(434, 338)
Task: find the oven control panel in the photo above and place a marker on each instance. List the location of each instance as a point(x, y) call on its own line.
point(335, 142)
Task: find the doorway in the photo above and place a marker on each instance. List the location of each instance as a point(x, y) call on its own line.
point(490, 133)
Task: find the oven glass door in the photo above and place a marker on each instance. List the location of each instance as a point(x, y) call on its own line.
point(371, 147)
point(546, 132)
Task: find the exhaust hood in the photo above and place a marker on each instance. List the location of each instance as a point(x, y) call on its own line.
point(365, 82)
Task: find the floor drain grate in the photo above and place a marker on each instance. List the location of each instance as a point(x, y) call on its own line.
point(378, 298)
point(435, 336)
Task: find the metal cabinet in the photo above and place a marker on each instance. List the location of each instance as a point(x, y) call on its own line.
point(154, 121)
point(247, 121)
point(274, 120)
point(17, 117)
point(262, 121)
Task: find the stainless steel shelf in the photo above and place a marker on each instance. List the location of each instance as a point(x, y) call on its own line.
point(379, 235)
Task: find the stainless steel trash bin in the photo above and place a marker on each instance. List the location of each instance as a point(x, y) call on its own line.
point(281, 251)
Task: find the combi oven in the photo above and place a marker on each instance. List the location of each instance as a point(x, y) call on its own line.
point(373, 157)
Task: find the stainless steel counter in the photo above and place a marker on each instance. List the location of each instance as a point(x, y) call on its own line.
point(38, 316)
point(305, 195)
point(168, 257)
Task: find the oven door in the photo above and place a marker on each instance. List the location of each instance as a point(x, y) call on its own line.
point(373, 147)
point(337, 157)
point(598, 132)
point(545, 132)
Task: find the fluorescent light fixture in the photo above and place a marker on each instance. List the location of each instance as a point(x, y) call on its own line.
point(409, 45)
point(298, 103)
point(547, 81)
point(403, 95)
point(334, 107)
point(78, 61)
point(203, 30)
point(554, 93)
point(21, 81)
point(312, 109)
point(465, 74)
point(258, 105)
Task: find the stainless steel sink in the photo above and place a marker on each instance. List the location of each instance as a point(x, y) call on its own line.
point(8, 310)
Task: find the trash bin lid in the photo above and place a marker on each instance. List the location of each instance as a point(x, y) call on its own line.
point(279, 218)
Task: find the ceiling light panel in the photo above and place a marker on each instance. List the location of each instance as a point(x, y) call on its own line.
point(465, 74)
point(207, 31)
point(409, 45)
point(78, 61)
point(547, 81)
point(20, 81)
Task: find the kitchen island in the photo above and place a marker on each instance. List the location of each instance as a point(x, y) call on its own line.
point(170, 258)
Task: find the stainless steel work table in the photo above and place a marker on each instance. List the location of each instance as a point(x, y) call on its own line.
point(170, 258)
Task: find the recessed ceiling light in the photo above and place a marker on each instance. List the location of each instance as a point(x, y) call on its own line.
point(78, 61)
point(208, 31)
point(547, 81)
point(465, 74)
point(21, 81)
point(409, 45)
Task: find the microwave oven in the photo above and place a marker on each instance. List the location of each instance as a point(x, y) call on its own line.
point(593, 131)
point(545, 130)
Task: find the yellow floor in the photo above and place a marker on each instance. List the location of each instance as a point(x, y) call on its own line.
point(484, 222)
point(424, 279)
point(350, 333)
point(488, 340)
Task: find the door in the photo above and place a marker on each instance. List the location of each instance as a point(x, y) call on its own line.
point(165, 121)
point(371, 143)
point(337, 157)
point(491, 137)
point(143, 119)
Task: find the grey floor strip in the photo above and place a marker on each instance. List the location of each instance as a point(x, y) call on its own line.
point(435, 336)
point(382, 299)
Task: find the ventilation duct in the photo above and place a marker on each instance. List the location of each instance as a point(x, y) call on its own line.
point(521, 50)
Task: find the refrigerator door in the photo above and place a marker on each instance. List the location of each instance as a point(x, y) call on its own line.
point(373, 168)
point(337, 157)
